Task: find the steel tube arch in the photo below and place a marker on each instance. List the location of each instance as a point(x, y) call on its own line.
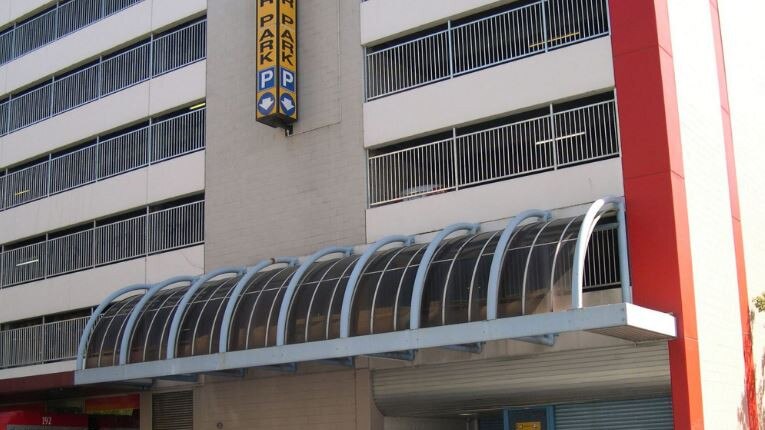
point(83, 345)
point(422, 270)
point(526, 266)
point(225, 326)
point(175, 325)
point(358, 269)
point(281, 327)
point(492, 291)
point(583, 239)
point(125, 342)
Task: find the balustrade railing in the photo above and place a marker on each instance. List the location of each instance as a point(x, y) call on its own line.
point(154, 232)
point(62, 19)
point(482, 42)
point(156, 56)
point(158, 141)
point(42, 343)
point(557, 140)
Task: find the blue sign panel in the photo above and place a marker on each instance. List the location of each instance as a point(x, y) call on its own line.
point(288, 79)
point(266, 79)
point(266, 103)
point(288, 104)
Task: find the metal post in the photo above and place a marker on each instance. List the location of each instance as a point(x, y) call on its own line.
point(100, 74)
point(553, 138)
point(544, 3)
point(8, 119)
point(624, 266)
point(146, 250)
point(96, 160)
point(150, 133)
point(450, 39)
point(13, 44)
point(455, 162)
point(55, 20)
point(49, 175)
point(52, 96)
point(93, 245)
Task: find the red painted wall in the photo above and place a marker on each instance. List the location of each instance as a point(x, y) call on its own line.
point(654, 187)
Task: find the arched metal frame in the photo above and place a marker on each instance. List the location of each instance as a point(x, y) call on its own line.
point(83, 345)
point(492, 298)
point(181, 306)
point(281, 328)
point(136, 312)
point(251, 271)
point(585, 232)
point(358, 269)
point(401, 337)
point(422, 270)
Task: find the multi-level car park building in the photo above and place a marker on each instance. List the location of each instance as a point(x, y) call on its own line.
point(490, 214)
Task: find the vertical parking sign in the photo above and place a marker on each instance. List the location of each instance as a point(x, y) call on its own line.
point(276, 62)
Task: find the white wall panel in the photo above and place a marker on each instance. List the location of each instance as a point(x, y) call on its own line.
point(744, 65)
point(12, 10)
point(709, 217)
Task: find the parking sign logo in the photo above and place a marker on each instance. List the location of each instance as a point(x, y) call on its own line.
point(288, 79)
point(266, 79)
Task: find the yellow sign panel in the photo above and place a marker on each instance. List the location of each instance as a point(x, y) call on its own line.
point(535, 425)
point(276, 62)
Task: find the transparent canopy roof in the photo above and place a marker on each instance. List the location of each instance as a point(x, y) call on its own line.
point(535, 277)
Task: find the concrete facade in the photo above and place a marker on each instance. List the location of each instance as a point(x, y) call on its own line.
point(271, 195)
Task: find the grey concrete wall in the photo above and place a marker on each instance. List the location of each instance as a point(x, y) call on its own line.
point(268, 194)
point(334, 400)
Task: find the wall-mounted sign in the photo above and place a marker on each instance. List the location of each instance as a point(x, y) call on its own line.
point(276, 62)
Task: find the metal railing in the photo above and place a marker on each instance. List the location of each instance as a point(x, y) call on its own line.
point(553, 141)
point(154, 232)
point(602, 263)
point(64, 18)
point(487, 41)
point(156, 142)
point(107, 75)
point(42, 343)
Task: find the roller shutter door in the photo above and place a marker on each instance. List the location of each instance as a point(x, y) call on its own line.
point(647, 414)
point(172, 411)
point(614, 373)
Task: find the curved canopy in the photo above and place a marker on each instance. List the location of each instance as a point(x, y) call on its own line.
point(536, 276)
